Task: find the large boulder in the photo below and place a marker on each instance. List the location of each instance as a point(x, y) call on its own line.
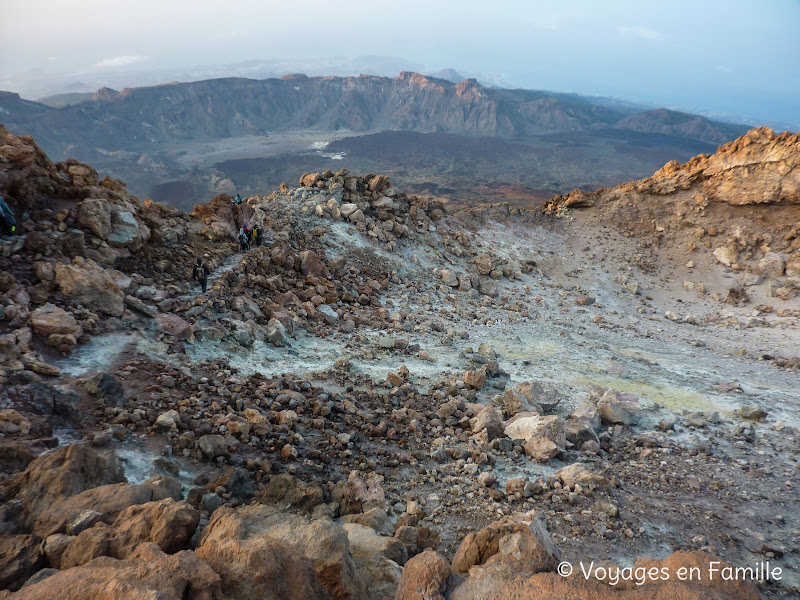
point(618, 407)
point(365, 541)
point(108, 388)
point(490, 421)
point(380, 575)
point(475, 379)
point(20, 557)
point(50, 400)
point(726, 255)
point(262, 568)
point(102, 504)
point(514, 548)
point(94, 214)
point(90, 284)
point(545, 436)
point(424, 577)
point(106, 500)
point(358, 494)
point(212, 445)
point(514, 402)
point(770, 266)
point(286, 490)
point(146, 575)
point(322, 541)
point(374, 518)
point(539, 394)
point(312, 264)
point(54, 548)
point(126, 230)
point(65, 472)
point(487, 583)
point(89, 544)
point(582, 424)
point(484, 263)
point(50, 319)
point(168, 523)
point(175, 326)
point(220, 218)
point(580, 474)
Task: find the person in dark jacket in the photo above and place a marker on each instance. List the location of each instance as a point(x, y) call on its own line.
point(200, 273)
point(8, 223)
point(244, 243)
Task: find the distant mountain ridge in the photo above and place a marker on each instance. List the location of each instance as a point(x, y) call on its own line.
point(221, 108)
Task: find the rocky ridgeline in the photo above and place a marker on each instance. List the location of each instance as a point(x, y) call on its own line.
point(757, 168)
point(88, 254)
point(372, 204)
point(327, 485)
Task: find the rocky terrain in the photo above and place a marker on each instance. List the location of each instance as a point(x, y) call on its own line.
point(388, 399)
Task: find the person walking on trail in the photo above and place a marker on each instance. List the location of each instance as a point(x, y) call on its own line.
point(238, 199)
point(200, 273)
point(257, 235)
point(244, 244)
point(8, 223)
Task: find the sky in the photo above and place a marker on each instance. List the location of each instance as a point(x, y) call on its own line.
point(734, 58)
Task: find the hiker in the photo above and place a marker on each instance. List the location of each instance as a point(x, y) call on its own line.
point(8, 223)
point(238, 199)
point(257, 236)
point(200, 273)
point(244, 244)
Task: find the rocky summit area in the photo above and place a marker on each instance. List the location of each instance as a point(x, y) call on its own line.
point(389, 400)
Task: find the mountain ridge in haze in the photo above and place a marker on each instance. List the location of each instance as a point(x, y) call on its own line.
point(221, 108)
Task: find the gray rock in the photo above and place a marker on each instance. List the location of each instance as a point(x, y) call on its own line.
point(210, 502)
point(212, 446)
point(108, 388)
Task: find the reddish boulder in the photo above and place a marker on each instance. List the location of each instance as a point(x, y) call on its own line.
point(424, 578)
point(147, 574)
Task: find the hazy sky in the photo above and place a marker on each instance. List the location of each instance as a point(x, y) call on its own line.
point(729, 56)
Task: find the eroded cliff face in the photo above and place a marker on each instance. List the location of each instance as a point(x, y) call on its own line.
point(739, 207)
point(760, 167)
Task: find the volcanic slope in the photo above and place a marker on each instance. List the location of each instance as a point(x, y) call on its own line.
point(385, 394)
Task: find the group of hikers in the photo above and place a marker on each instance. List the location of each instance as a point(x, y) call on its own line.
point(246, 238)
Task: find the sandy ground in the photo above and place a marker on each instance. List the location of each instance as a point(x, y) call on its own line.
point(207, 154)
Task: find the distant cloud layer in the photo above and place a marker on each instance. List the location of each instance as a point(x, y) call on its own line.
point(717, 55)
point(640, 32)
point(120, 61)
